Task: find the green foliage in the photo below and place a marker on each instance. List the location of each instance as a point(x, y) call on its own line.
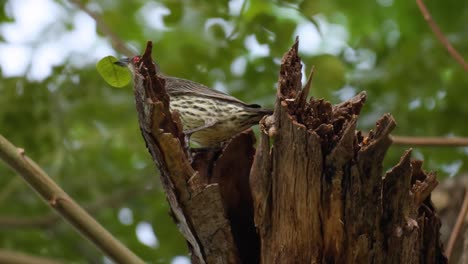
point(85, 134)
point(115, 75)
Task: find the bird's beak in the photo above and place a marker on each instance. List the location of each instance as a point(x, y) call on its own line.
point(123, 62)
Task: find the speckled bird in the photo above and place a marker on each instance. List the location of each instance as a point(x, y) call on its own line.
point(209, 117)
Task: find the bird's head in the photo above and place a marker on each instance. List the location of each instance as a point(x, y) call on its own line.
point(129, 62)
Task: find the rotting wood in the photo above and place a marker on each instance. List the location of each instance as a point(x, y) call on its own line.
point(320, 193)
point(317, 190)
point(197, 208)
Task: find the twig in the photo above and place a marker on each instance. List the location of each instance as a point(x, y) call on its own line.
point(458, 226)
point(464, 257)
point(440, 36)
point(238, 19)
point(431, 141)
point(117, 43)
point(12, 257)
point(51, 219)
point(63, 204)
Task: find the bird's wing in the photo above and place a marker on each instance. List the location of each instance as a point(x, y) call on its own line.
point(181, 86)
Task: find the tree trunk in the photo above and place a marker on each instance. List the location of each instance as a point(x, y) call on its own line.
point(313, 192)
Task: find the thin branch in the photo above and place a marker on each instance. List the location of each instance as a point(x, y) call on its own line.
point(12, 257)
point(464, 257)
point(238, 19)
point(117, 43)
point(458, 226)
point(50, 220)
point(63, 204)
point(431, 141)
point(440, 36)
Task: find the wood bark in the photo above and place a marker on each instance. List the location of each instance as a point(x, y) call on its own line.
point(313, 191)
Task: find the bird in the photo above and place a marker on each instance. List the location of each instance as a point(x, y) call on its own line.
point(209, 117)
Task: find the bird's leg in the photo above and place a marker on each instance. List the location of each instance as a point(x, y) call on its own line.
point(189, 133)
point(208, 123)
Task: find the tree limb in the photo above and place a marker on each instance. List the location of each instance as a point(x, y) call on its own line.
point(440, 36)
point(116, 42)
point(12, 257)
point(430, 141)
point(458, 225)
point(63, 204)
point(50, 220)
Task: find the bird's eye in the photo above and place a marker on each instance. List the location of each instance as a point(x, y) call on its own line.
point(136, 59)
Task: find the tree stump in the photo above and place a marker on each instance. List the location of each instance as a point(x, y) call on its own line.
point(313, 191)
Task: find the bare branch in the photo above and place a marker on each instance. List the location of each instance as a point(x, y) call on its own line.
point(12, 257)
point(117, 43)
point(464, 258)
point(430, 141)
point(50, 220)
point(458, 225)
point(440, 36)
point(64, 204)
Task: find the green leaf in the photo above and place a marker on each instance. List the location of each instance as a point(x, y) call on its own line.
point(115, 75)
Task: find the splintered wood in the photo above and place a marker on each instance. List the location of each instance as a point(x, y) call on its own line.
point(320, 193)
point(313, 191)
point(197, 209)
